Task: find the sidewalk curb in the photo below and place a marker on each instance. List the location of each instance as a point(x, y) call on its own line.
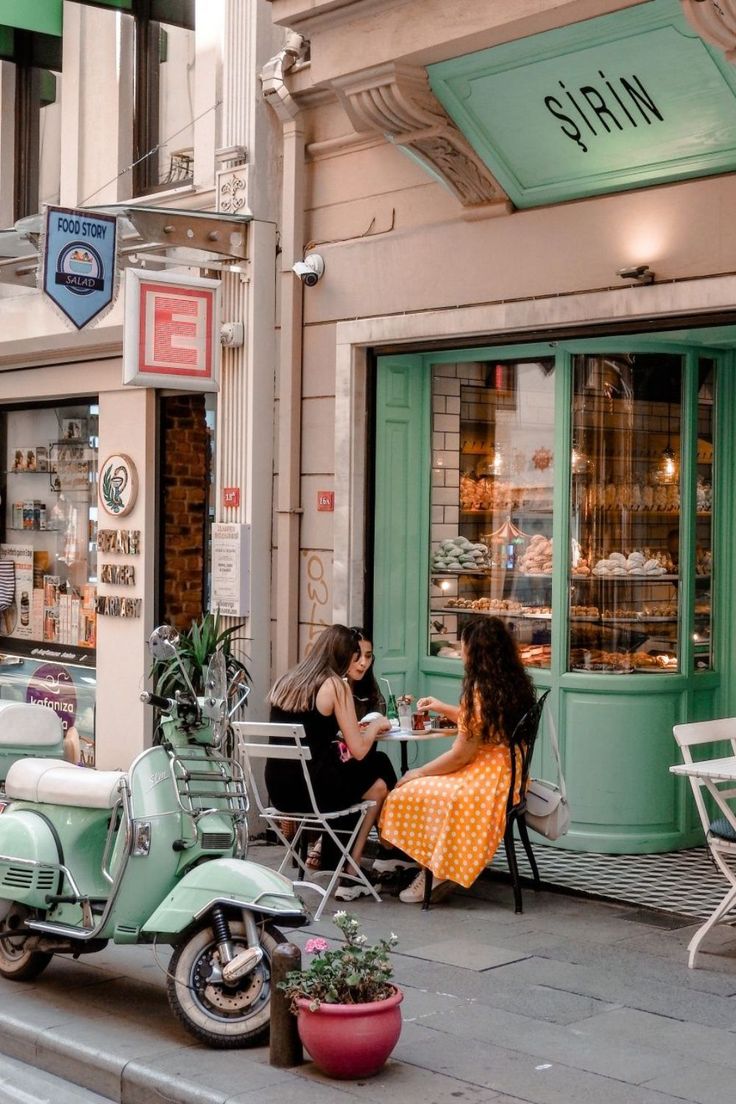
point(123, 1080)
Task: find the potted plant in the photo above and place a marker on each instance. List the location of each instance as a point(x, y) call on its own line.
point(347, 1008)
point(195, 649)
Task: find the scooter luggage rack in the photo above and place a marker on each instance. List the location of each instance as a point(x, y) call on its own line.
point(226, 789)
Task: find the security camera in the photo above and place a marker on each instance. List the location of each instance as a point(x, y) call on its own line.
point(310, 270)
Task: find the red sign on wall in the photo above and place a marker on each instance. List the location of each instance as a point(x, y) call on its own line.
point(171, 336)
point(231, 496)
point(326, 501)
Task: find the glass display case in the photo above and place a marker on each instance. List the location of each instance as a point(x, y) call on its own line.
point(625, 570)
point(491, 528)
point(48, 555)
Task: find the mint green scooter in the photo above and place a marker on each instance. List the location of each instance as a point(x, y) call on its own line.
point(152, 855)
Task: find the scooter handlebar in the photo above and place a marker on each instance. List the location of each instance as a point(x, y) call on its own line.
point(166, 705)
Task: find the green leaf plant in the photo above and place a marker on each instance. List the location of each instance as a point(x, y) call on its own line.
point(196, 648)
point(354, 973)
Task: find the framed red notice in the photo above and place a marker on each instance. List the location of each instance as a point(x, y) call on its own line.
point(172, 331)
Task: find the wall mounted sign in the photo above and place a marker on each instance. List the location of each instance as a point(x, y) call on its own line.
point(125, 541)
point(231, 496)
point(118, 485)
point(79, 263)
point(230, 569)
point(171, 335)
point(625, 100)
point(325, 501)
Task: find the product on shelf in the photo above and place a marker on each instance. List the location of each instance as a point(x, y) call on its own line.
point(703, 562)
point(460, 554)
point(584, 611)
point(657, 497)
point(537, 560)
point(636, 563)
point(535, 655)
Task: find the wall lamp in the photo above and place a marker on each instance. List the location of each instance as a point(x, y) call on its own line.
point(642, 274)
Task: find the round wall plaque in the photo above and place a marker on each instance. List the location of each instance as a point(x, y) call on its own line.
point(118, 485)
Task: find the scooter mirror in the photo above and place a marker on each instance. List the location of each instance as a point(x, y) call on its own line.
point(163, 641)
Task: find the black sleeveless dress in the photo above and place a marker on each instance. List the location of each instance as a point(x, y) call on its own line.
point(336, 784)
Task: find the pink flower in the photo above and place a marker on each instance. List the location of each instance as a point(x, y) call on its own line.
point(314, 946)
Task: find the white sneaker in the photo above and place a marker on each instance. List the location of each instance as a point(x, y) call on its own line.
point(414, 892)
point(351, 891)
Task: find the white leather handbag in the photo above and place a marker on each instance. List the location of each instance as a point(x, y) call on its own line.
point(547, 808)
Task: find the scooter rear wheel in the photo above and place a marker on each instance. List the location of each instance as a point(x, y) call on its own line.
point(16, 962)
point(217, 1014)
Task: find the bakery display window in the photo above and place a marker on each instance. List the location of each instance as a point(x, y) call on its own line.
point(625, 514)
point(491, 502)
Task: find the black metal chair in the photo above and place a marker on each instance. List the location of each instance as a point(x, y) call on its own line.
point(523, 737)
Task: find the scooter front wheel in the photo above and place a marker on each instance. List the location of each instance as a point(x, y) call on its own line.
point(16, 962)
point(224, 1016)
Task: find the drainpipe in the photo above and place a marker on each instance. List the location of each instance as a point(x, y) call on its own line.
point(288, 507)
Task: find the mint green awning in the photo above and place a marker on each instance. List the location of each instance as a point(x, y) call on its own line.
point(626, 100)
point(42, 16)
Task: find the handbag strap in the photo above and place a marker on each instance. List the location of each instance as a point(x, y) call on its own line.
point(556, 753)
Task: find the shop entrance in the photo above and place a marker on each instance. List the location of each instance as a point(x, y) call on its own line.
point(581, 491)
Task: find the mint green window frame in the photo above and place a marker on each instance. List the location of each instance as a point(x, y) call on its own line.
point(656, 811)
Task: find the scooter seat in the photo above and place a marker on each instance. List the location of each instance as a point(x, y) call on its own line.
point(54, 782)
point(26, 725)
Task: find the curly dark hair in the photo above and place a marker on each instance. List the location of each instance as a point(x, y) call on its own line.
point(495, 679)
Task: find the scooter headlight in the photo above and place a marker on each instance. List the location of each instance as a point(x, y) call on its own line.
point(141, 837)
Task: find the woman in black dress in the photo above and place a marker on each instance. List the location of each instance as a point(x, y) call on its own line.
point(345, 767)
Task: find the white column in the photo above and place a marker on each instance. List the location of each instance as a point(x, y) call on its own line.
point(246, 399)
point(122, 722)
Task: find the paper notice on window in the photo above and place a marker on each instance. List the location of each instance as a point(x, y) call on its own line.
point(230, 592)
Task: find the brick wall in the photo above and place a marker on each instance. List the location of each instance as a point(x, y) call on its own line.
point(185, 477)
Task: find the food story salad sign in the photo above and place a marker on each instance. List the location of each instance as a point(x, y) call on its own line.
point(79, 263)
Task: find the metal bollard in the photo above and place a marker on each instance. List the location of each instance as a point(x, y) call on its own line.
point(286, 1046)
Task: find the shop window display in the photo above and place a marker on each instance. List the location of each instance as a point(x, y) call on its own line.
point(48, 569)
point(492, 482)
point(626, 570)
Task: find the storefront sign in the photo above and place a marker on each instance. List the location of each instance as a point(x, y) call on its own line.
point(625, 100)
point(53, 687)
point(118, 485)
point(171, 336)
point(79, 263)
point(231, 569)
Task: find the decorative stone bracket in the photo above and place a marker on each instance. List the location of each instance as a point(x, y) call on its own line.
point(715, 21)
point(395, 101)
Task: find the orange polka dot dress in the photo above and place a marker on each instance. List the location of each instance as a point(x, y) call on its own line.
point(452, 823)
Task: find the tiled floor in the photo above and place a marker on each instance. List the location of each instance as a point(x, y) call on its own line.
point(683, 882)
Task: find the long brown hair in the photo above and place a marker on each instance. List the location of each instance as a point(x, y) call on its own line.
point(496, 690)
point(332, 654)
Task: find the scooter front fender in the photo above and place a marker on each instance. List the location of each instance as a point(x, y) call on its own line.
point(233, 883)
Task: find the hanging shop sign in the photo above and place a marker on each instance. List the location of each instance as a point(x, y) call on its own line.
point(625, 100)
point(118, 485)
point(79, 263)
point(171, 335)
point(230, 569)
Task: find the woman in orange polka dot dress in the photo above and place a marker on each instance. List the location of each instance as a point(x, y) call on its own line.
point(450, 814)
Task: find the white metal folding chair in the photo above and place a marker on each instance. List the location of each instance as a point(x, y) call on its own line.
point(718, 777)
point(253, 745)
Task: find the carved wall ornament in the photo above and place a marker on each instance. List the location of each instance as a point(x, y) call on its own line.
point(232, 190)
point(396, 101)
point(715, 22)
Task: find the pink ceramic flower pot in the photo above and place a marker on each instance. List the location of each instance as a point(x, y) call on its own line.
point(350, 1040)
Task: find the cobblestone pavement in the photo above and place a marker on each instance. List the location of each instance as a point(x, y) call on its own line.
point(574, 1000)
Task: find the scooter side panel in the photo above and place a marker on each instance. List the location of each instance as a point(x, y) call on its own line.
point(26, 835)
point(238, 882)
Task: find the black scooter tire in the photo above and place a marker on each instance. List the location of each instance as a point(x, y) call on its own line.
point(221, 1028)
point(19, 965)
